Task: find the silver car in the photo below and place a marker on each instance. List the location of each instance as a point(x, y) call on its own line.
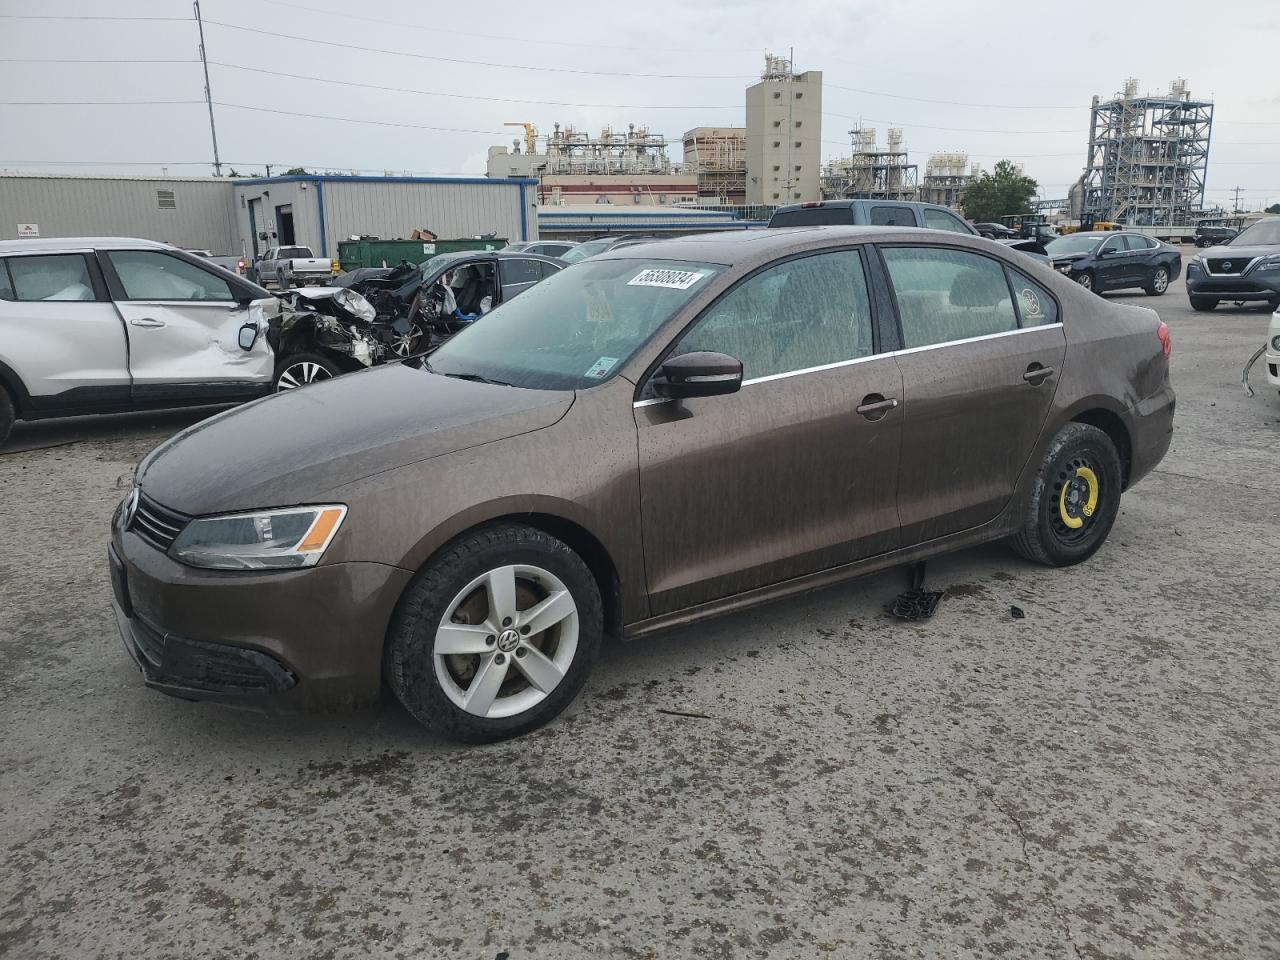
point(104, 325)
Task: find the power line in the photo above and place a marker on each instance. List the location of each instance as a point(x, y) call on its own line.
point(93, 60)
point(947, 103)
point(465, 96)
point(32, 16)
point(489, 36)
point(95, 103)
point(473, 63)
point(376, 123)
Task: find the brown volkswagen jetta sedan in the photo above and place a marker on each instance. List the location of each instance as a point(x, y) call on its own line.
point(650, 437)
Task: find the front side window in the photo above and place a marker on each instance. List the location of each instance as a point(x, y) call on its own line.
point(578, 328)
point(1115, 245)
point(937, 220)
point(515, 272)
point(146, 275)
point(945, 295)
point(802, 313)
point(59, 277)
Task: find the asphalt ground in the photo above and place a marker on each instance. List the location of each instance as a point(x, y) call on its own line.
point(1095, 779)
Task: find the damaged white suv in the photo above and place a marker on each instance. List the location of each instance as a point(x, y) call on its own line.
point(105, 325)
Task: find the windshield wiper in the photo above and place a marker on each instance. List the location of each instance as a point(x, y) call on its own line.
point(474, 378)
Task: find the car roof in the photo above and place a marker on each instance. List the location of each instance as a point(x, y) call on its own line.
point(59, 244)
point(732, 247)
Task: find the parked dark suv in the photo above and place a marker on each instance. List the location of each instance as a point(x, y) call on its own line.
point(1211, 232)
point(1246, 268)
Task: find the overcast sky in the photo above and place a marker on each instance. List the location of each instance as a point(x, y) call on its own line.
point(1024, 70)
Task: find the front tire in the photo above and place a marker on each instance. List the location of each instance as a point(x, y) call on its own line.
point(302, 369)
point(1085, 280)
point(1203, 303)
point(1075, 498)
point(496, 636)
point(1159, 282)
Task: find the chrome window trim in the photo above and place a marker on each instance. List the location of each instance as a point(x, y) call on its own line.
point(874, 356)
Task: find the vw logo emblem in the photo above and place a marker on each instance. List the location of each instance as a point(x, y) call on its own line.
point(130, 508)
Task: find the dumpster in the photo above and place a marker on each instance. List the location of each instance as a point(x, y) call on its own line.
point(377, 253)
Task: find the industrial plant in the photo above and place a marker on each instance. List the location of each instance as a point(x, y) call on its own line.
point(1147, 158)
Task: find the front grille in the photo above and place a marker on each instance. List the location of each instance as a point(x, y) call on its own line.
point(1227, 266)
point(158, 525)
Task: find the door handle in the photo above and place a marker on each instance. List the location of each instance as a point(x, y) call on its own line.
point(148, 322)
point(874, 406)
point(1037, 374)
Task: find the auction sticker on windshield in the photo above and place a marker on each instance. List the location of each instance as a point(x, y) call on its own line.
point(672, 279)
point(600, 369)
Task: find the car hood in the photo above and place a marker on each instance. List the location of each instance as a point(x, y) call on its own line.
point(295, 447)
point(1243, 254)
point(1068, 257)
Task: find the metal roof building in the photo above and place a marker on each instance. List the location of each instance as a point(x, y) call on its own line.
point(231, 216)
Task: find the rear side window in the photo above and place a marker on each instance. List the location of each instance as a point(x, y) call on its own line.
point(1036, 308)
point(802, 313)
point(59, 277)
point(157, 276)
point(938, 220)
point(813, 217)
point(945, 295)
point(892, 217)
point(515, 272)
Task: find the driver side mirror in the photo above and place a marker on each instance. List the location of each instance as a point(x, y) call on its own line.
point(1107, 252)
point(701, 374)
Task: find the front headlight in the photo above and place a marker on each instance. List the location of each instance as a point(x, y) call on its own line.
point(268, 540)
point(1064, 268)
point(1271, 263)
point(355, 304)
point(1275, 344)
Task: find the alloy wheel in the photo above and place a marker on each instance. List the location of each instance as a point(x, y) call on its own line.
point(1085, 280)
point(1160, 282)
point(301, 374)
point(506, 641)
point(406, 344)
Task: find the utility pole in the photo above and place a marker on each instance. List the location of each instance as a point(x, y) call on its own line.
point(788, 182)
point(208, 95)
point(1235, 207)
point(268, 166)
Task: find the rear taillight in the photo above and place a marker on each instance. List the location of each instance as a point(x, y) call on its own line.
point(1166, 340)
point(811, 204)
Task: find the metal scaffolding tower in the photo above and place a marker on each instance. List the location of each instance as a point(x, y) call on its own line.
point(872, 172)
point(1147, 157)
point(945, 177)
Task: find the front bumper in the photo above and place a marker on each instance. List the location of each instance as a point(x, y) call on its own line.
point(1254, 285)
point(304, 639)
point(1272, 354)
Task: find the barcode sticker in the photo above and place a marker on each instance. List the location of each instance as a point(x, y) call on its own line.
point(672, 279)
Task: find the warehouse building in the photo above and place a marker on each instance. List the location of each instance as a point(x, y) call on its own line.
point(238, 216)
point(192, 212)
point(317, 212)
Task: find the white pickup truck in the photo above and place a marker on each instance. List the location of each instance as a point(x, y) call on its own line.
point(292, 266)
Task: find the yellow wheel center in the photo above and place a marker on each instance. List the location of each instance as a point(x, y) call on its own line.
point(1079, 498)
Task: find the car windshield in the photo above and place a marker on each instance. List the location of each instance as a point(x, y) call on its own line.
point(588, 249)
point(577, 328)
point(438, 262)
point(1262, 233)
point(1072, 244)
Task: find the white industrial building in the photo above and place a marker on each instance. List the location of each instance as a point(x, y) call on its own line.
point(231, 216)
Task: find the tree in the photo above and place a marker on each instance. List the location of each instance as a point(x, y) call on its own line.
point(297, 172)
point(1274, 208)
point(1000, 193)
